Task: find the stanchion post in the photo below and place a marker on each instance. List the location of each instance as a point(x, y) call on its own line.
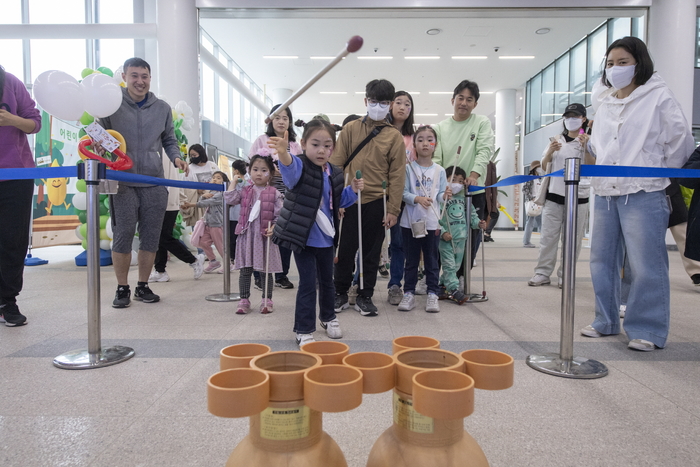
point(227, 296)
point(565, 364)
point(468, 259)
point(95, 356)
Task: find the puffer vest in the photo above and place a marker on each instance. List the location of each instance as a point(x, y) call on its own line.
point(267, 207)
point(301, 204)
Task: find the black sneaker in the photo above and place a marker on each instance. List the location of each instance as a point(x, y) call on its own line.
point(365, 306)
point(341, 302)
point(123, 297)
point(458, 297)
point(145, 294)
point(258, 283)
point(284, 283)
point(10, 315)
point(383, 271)
point(695, 278)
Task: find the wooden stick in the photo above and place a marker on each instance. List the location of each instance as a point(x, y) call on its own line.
point(452, 176)
point(340, 227)
point(267, 268)
point(358, 175)
point(386, 229)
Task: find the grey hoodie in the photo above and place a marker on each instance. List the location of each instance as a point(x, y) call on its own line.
point(214, 216)
point(147, 130)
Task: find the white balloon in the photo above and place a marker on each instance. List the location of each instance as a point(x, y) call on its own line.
point(77, 233)
point(105, 245)
point(108, 228)
point(80, 201)
point(102, 96)
point(59, 94)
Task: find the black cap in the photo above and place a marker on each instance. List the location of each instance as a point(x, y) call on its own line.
point(575, 108)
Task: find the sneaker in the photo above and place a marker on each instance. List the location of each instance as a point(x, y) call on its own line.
point(332, 328)
point(538, 280)
point(365, 306)
point(431, 305)
point(529, 245)
point(408, 302)
point(695, 278)
point(383, 272)
point(258, 283)
point(266, 306)
point(394, 295)
point(213, 266)
point(341, 302)
point(198, 266)
point(221, 271)
point(159, 277)
point(145, 294)
point(623, 310)
point(304, 339)
point(641, 344)
point(284, 283)
point(122, 299)
point(11, 316)
point(352, 294)
point(589, 331)
point(458, 297)
point(488, 238)
point(243, 306)
point(421, 287)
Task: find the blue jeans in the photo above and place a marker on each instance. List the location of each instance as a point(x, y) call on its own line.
point(530, 224)
point(637, 223)
point(396, 255)
point(314, 263)
point(412, 248)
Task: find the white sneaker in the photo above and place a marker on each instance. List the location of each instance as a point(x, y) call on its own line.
point(623, 310)
point(432, 306)
point(159, 277)
point(408, 302)
point(304, 339)
point(421, 287)
point(538, 280)
point(198, 266)
point(590, 331)
point(332, 328)
point(641, 344)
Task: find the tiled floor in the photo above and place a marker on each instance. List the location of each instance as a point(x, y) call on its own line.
point(151, 410)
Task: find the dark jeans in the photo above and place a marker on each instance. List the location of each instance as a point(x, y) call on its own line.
point(397, 256)
point(372, 239)
point(412, 249)
point(168, 243)
point(15, 214)
point(316, 263)
point(232, 239)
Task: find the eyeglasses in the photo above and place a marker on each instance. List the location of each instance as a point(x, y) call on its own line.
point(373, 103)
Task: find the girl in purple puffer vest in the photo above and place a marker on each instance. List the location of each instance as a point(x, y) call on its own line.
point(260, 206)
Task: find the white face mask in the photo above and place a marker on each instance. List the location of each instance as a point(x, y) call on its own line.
point(378, 111)
point(620, 76)
point(573, 123)
point(456, 188)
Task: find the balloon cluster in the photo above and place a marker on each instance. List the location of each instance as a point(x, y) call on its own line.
point(80, 206)
point(98, 95)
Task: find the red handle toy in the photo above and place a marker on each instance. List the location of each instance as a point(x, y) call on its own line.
point(123, 161)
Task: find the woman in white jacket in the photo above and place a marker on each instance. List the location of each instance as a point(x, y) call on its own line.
point(638, 123)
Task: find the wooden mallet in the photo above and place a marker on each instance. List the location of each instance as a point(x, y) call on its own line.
point(358, 175)
point(340, 228)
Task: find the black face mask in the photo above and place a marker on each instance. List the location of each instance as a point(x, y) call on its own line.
point(195, 160)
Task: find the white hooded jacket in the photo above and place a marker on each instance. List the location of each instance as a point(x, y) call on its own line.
point(645, 129)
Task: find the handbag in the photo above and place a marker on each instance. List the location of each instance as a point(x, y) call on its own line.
point(544, 188)
point(533, 209)
point(197, 232)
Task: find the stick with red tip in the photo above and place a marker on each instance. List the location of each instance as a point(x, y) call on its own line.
point(358, 175)
point(386, 229)
point(265, 309)
point(340, 227)
point(454, 169)
point(353, 45)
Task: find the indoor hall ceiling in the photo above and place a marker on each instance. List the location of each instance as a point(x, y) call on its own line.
point(248, 39)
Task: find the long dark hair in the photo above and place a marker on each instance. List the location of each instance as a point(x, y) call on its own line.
point(407, 127)
point(291, 134)
point(199, 149)
point(638, 49)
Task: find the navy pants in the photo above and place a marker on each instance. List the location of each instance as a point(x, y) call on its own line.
point(314, 264)
point(412, 248)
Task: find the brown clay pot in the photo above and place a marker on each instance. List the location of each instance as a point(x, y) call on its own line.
point(331, 352)
point(443, 394)
point(413, 342)
point(412, 361)
point(286, 370)
point(238, 392)
point(378, 370)
point(490, 369)
point(240, 355)
point(333, 388)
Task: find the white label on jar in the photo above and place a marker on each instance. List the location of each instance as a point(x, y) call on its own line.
point(406, 417)
point(286, 424)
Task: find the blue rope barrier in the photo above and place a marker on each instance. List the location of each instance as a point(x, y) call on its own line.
point(136, 178)
point(41, 172)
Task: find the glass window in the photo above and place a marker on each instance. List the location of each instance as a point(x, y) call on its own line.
point(597, 45)
point(223, 103)
point(547, 110)
point(114, 52)
point(619, 28)
point(58, 54)
point(11, 58)
point(697, 43)
point(11, 13)
point(534, 93)
point(115, 11)
point(247, 121)
point(236, 111)
point(638, 27)
point(53, 12)
point(561, 84)
point(208, 93)
point(206, 43)
point(577, 75)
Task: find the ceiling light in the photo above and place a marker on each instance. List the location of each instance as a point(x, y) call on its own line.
point(323, 58)
point(469, 57)
point(333, 92)
point(424, 57)
point(433, 31)
point(375, 57)
point(441, 92)
point(586, 92)
point(516, 57)
point(543, 31)
point(281, 56)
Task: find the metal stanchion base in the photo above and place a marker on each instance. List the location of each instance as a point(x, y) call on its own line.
point(577, 367)
point(81, 359)
point(476, 298)
point(223, 297)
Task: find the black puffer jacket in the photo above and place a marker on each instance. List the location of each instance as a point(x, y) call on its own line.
point(692, 239)
point(301, 203)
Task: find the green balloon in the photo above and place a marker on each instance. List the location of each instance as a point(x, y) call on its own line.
point(80, 185)
point(86, 119)
point(105, 203)
point(103, 210)
point(86, 72)
point(85, 244)
point(103, 198)
point(103, 234)
point(106, 71)
point(82, 133)
point(83, 230)
point(82, 216)
point(103, 221)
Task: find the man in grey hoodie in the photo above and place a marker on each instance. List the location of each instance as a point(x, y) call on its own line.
point(146, 124)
